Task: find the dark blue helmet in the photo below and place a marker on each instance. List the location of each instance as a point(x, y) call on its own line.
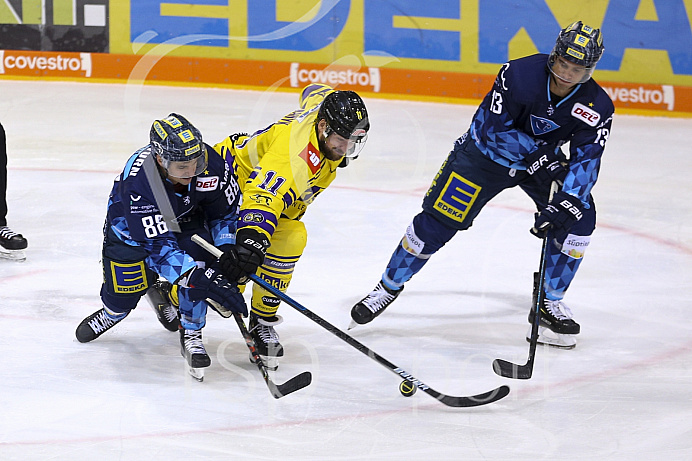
point(579, 44)
point(174, 139)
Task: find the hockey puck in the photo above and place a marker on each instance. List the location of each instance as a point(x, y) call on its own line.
point(407, 388)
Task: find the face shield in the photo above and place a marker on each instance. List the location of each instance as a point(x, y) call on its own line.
point(348, 148)
point(568, 71)
point(185, 169)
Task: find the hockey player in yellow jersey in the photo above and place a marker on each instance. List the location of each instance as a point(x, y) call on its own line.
point(281, 169)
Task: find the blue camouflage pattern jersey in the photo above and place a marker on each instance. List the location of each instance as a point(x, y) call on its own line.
point(519, 113)
point(136, 219)
point(517, 117)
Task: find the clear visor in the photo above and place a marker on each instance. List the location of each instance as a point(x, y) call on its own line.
point(186, 169)
point(568, 71)
point(354, 144)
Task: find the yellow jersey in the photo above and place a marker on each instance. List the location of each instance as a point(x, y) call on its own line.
point(280, 168)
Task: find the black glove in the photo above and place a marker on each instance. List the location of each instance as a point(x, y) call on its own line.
point(242, 259)
point(200, 284)
point(561, 213)
point(547, 164)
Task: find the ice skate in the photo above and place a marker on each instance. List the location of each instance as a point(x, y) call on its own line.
point(556, 327)
point(266, 339)
point(373, 305)
point(192, 348)
point(12, 245)
point(166, 312)
point(97, 324)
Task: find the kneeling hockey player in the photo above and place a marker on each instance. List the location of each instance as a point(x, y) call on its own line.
point(176, 183)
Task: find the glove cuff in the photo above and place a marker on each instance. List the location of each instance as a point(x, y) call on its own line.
point(252, 240)
point(569, 203)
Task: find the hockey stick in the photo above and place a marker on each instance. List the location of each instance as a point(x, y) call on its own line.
point(277, 390)
point(452, 401)
point(511, 370)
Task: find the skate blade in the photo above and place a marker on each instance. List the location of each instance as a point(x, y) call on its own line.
point(12, 255)
point(270, 363)
point(197, 373)
point(550, 338)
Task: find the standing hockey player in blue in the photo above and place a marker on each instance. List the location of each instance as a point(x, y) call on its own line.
point(537, 104)
point(169, 190)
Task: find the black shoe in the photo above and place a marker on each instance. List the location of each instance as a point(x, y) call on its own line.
point(374, 304)
point(166, 312)
point(192, 348)
point(265, 336)
point(266, 339)
point(11, 240)
point(95, 325)
point(557, 317)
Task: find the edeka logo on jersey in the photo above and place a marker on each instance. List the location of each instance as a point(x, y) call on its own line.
point(457, 197)
point(45, 63)
point(337, 75)
point(128, 277)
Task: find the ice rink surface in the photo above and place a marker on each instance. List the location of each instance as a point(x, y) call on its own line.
point(624, 393)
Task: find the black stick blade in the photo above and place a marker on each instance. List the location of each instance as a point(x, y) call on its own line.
point(475, 400)
point(294, 384)
point(512, 370)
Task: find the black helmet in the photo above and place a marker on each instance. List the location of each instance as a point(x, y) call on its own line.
point(579, 44)
point(345, 114)
point(174, 139)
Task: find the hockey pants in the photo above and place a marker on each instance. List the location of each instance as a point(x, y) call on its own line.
point(467, 181)
point(127, 275)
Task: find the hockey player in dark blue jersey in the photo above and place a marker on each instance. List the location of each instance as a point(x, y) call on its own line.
point(537, 104)
point(169, 190)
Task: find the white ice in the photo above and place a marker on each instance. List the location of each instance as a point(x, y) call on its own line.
point(623, 393)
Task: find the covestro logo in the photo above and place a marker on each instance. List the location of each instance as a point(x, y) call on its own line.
point(653, 96)
point(29, 63)
point(300, 75)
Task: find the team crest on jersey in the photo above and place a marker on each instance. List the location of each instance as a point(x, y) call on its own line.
point(207, 184)
point(540, 125)
point(311, 155)
point(585, 114)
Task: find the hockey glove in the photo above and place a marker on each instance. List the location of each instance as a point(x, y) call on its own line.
point(547, 164)
point(561, 213)
point(200, 284)
point(243, 258)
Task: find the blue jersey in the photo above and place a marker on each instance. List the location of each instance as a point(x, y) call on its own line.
point(136, 219)
point(520, 113)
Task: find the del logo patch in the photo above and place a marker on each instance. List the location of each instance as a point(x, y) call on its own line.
point(540, 125)
point(207, 184)
point(311, 155)
point(585, 114)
